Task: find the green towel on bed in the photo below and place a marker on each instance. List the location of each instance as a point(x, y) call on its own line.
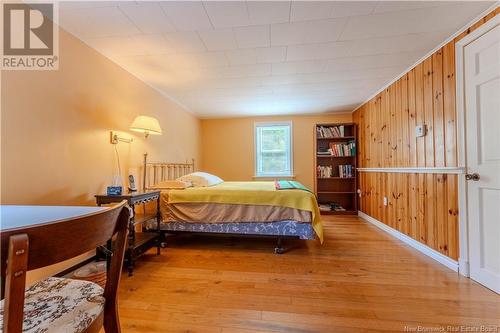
point(290, 185)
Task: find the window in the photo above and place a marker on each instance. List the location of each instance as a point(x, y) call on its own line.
point(273, 149)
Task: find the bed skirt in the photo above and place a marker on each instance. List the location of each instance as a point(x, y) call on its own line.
point(280, 228)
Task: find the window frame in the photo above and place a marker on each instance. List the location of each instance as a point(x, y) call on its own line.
point(257, 156)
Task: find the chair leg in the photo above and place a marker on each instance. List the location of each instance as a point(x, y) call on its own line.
point(111, 319)
point(96, 326)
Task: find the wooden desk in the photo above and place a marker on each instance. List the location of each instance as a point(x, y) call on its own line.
point(20, 219)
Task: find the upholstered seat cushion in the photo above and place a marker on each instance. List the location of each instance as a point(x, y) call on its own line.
point(60, 305)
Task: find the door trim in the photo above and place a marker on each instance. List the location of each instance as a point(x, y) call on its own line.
point(463, 225)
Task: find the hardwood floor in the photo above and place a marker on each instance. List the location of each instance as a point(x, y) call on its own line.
point(359, 280)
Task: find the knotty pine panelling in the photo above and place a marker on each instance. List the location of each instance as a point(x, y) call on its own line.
point(418, 206)
point(422, 206)
point(425, 95)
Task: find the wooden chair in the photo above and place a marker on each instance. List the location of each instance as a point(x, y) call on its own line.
point(56, 303)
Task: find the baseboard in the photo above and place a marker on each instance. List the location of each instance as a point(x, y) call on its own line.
point(463, 267)
point(439, 257)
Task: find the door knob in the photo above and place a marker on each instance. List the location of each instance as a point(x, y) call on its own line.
point(472, 176)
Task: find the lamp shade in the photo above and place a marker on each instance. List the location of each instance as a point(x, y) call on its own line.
point(146, 125)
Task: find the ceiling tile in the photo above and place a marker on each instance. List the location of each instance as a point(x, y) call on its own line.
point(423, 42)
point(352, 8)
point(372, 61)
point(227, 14)
point(241, 57)
point(280, 80)
point(324, 30)
point(284, 68)
point(148, 17)
point(116, 46)
point(327, 30)
point(236, 83)
point(379, 25)
point(317, 10)
point(267, 12)
point(317, 51)
point(396, 23)
point(217, 40)
point(185, 41)
point(65, 6)
point(310, 10)
point(211, 59)
point(187, 15)
point(395, 6)
point(306, 67)
point(99, 22)
point(271, 54)
point(152, 44)
point(439, 18)
point(245, 71)
point(288, 33)
point(253, 36)
point(303, 67)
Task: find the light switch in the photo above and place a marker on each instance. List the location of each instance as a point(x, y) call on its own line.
point(420, 130)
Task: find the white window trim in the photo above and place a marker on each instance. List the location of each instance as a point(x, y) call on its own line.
point(273, 123)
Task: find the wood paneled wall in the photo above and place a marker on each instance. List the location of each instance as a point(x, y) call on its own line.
point(423, 206)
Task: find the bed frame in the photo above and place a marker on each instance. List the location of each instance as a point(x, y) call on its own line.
point(155, 172)
point(160, 171)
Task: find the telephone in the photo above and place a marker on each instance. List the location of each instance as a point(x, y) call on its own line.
point(131, 183)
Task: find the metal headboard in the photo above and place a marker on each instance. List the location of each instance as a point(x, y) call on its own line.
point(156, 172)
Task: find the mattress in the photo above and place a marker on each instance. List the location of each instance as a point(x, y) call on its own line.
point(226, 213)
point(240, 202)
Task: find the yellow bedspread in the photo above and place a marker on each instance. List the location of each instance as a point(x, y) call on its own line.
point(252, 193)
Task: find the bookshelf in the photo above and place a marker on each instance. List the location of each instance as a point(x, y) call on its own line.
point(336, 145)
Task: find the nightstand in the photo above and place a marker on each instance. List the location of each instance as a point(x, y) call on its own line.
point(138, 242)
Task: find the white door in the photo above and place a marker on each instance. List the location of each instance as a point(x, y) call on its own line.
point(482, 114)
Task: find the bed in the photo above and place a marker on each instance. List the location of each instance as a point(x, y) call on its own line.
point(252, 208)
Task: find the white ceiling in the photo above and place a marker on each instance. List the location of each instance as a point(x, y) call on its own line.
point(221, 59)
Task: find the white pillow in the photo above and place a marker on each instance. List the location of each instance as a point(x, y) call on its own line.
point(201, 179)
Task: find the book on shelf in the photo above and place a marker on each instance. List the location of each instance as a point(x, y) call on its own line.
point(325, 171)
point(346, 171)
point(343, 149)
point(326, 132)
point(324, 152)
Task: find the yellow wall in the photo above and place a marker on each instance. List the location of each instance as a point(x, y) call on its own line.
point(227, 148)
point(55, 128)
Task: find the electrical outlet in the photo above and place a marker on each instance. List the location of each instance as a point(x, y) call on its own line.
point(420, 130)
point(386, 202)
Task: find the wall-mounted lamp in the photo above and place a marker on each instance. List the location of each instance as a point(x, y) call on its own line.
point(146, 125)
point(143, 124)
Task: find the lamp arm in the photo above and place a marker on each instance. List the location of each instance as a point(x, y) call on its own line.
point(114, 138)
